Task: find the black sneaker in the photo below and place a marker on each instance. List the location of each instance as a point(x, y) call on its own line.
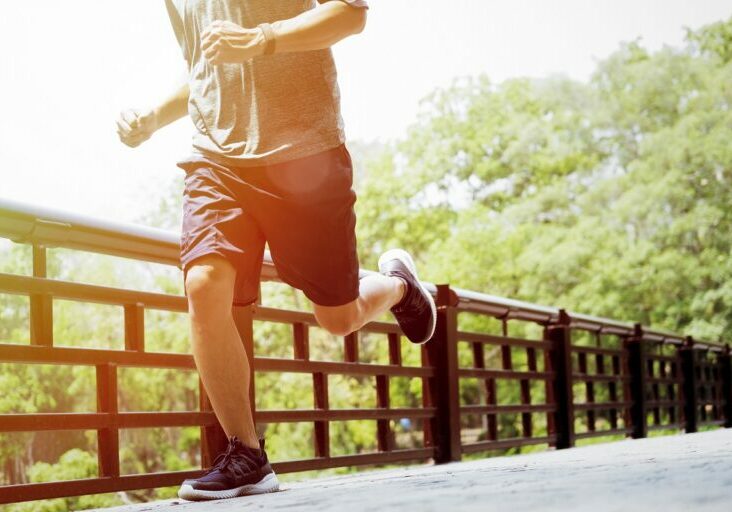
point(415, 313)
point(239, 471)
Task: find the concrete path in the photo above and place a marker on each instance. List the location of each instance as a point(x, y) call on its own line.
point(689, 473)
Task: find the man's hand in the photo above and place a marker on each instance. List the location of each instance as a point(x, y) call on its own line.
point(224, 41)
point(134, 126)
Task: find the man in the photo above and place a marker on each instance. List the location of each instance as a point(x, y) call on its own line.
point(268, 164)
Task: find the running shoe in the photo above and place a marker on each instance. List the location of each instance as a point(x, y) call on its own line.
point(239, 471)
point(415, 312)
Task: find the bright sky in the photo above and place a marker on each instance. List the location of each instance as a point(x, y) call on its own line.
point(69, 67)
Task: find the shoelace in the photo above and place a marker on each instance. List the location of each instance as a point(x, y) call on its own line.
point(409, 303)
point(231, 461)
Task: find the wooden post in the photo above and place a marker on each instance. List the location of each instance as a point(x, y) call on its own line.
point(559, 335)
point(442, 355)
point(551, 417)
point(726, 367)
point(691, 398)
point(636, 349)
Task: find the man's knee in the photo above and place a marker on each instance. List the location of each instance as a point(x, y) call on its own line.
point(210, 279)
point(338, 320)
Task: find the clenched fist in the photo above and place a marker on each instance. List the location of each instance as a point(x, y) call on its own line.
point(224, 41)
point(135, 126)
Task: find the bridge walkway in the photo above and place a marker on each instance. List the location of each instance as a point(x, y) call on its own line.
point(689, 473)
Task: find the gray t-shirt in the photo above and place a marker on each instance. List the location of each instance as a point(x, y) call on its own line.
point(269, 109)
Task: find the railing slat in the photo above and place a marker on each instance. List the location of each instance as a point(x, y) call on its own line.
point(483, 373)
point(383, 426)
point(108, 437)
point(321, 439)
point(135, 327)
point(324, 415)
point(506, 409)
point(28, 492)
point(102, 420)
point(10, 352)
point(492, 339)
point(25, 285)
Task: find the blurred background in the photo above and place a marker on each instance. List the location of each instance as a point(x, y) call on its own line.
point(568, 153)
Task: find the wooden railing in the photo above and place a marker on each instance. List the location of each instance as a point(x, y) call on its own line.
point(625, 380)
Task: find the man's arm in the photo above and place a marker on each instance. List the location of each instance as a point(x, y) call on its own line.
point(315, 29)
point(174, 106)
point(136, 126)
point(318, 28)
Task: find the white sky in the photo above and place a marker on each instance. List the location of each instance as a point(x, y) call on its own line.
point(68, 67)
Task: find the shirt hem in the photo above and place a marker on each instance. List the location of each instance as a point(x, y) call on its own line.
point(291, 153)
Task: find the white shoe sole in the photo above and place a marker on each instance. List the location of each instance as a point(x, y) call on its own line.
point(404, 257)
point(266, 485)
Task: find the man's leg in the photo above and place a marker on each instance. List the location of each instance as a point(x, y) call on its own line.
point(377, 294)
point(217, 348)
point(396, 288)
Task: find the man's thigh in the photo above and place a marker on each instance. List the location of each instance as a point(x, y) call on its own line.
point(311, 233)
point(216, 222)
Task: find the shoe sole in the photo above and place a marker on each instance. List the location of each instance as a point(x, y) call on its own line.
point(266, 485)
point(404, 257)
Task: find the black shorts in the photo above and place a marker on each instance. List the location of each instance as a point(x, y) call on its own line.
point(302, 208)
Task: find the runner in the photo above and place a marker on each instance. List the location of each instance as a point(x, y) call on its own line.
point(268, 164)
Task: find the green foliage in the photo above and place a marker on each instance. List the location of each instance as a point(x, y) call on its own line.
point(74, 464)
point(715, 39)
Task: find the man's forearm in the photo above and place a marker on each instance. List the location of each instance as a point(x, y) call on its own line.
point(172, 107)
point(318, 28)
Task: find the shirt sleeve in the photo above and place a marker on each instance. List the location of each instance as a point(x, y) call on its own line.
point(355, 3)
point(178, 28)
